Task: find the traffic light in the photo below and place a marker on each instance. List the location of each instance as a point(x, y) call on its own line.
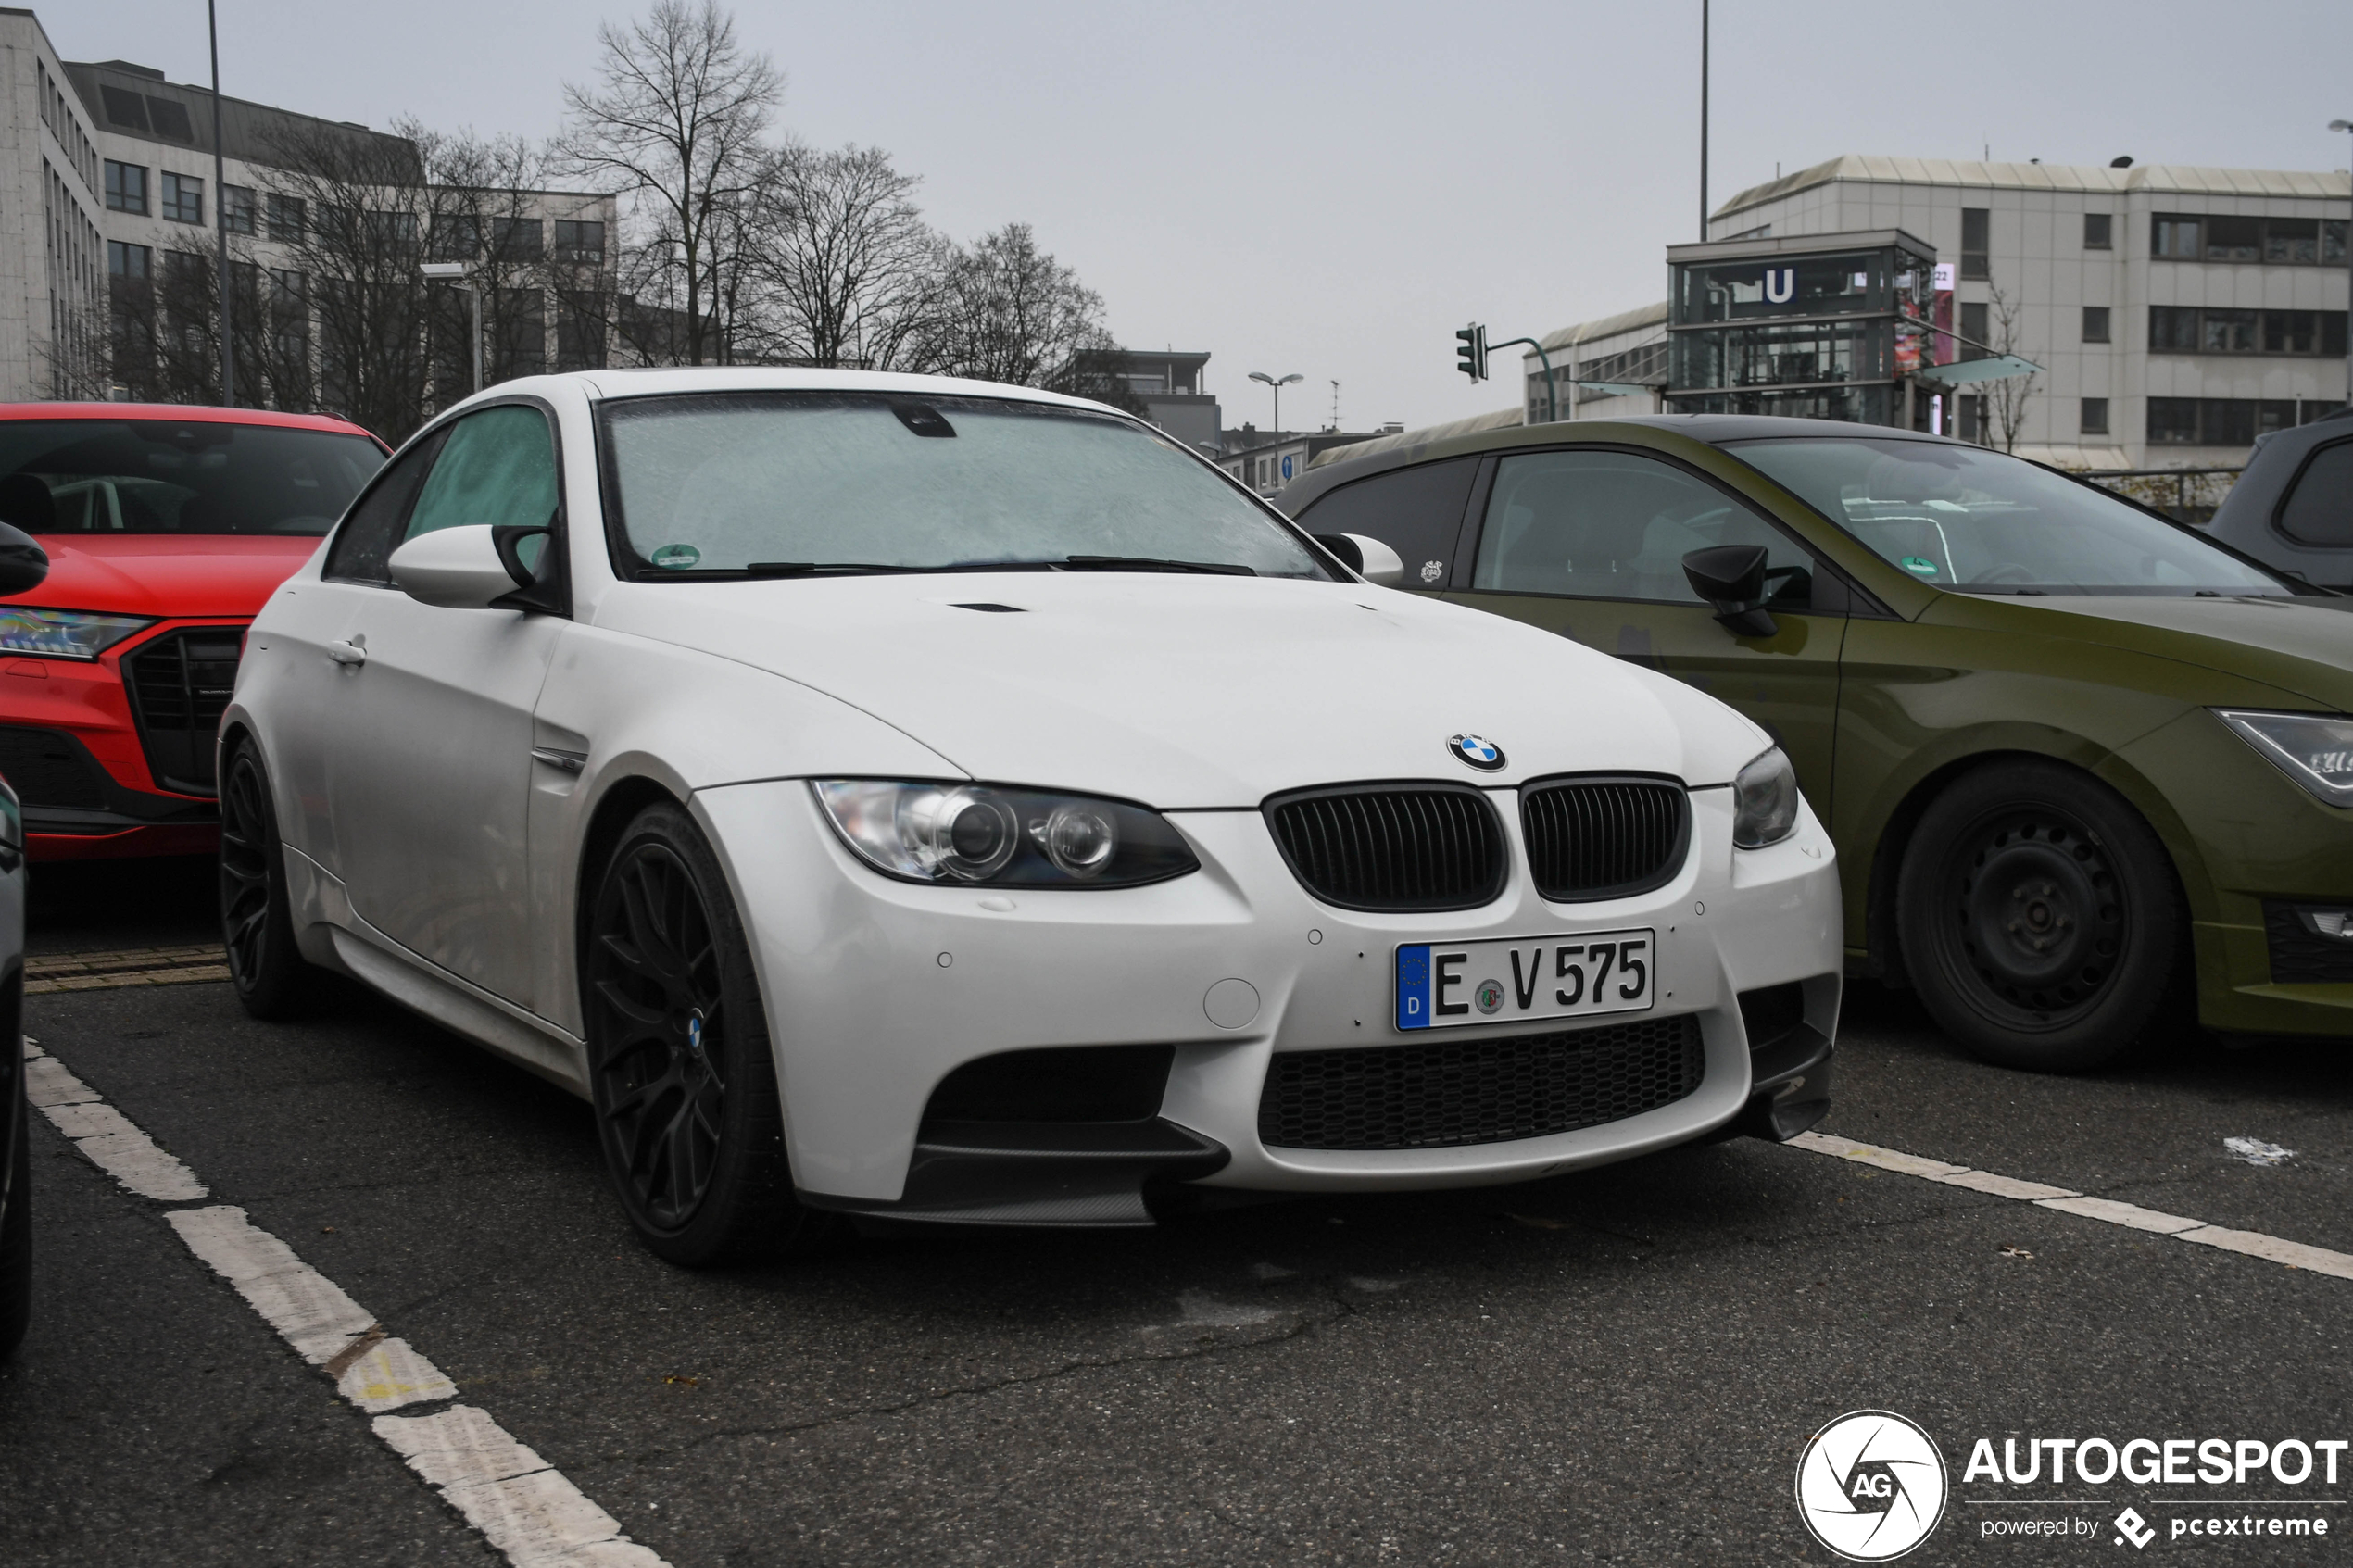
point(1471, 356)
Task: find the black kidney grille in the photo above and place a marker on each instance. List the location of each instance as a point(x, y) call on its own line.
point(1438, 1095)
point(180, 686)
point(1397, 847)
point(1604, 839)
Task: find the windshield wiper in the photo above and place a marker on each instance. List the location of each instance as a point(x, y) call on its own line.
point(1150, 563)
point(811, 567)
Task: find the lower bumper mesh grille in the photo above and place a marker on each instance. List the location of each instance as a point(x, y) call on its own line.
point(180, 684)
point(1438, 1095)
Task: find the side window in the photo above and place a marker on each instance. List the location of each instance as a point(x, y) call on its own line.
point(1615, 525)
point(496, 467)
point(2319, 509)
point(1417, 512)
point(366, 539)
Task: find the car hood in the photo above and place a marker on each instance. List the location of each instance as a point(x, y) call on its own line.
point(1196, 692)
point(166, 574)
point(2304, 647)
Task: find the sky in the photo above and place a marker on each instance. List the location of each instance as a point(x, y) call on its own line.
point(1331, 189)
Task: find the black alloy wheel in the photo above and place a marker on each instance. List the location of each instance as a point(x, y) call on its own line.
point(273, 980)
point(2038, 917)
point(684, 1087)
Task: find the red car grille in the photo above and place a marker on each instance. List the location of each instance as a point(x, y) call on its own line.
point(180, 686)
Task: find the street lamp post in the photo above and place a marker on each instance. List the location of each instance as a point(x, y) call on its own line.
point(2348, 125)
point(1277, 385)
point(455, 272)
point(220, 221)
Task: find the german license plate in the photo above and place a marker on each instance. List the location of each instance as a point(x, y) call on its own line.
point(1521, 979)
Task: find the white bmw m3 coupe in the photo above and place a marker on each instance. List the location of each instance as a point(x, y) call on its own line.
point(915, 798)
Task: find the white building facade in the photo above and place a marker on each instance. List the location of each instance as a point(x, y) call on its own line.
point(2177, 312)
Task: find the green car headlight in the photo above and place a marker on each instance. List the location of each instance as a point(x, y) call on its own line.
point(64, 634)
point(2315, 750)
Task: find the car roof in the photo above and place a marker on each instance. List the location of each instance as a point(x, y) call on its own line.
point(1715, 430)
point(607, 384)
point(185, 413)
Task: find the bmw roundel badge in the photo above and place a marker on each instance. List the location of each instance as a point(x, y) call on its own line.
point(1476, 750)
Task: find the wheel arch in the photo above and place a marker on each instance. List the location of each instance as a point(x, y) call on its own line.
point(617, 806)
point(1903, 806)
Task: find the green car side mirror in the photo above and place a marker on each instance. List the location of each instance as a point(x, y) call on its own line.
point(1731, 577)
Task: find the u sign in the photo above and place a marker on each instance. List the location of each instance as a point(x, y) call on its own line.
point(1781, 284)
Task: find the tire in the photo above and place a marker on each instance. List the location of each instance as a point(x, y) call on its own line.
point(273, 979)
point(15, 1240)
point(2039, 917)
point(680, 1072)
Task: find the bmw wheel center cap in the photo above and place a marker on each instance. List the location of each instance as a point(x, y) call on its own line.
point(1476, 750)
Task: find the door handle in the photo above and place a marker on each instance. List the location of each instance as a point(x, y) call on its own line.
point(346, 653)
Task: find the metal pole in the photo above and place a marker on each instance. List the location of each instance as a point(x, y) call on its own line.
point(1703, 119)
point(474, 294)
point(221, 219)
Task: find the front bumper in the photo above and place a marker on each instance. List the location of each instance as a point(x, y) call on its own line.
point(878, 989)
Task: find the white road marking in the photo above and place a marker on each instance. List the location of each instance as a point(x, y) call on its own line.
point(2255, 1244)
point(522, 1504)
point(106, 1135)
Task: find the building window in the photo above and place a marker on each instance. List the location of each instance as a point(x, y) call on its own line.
point(2096, 230)
point(457, 237)
point(183, 198)
point(2220, 422)
point(126, 188)
point(2279, 241)
point(236, 208)
point(2228, 331)
point(289, 219)
point(516, 239)
point(1977, 224)
point(2095, 323)
point(1974, 332)
point(2094, 420)
point(2185, 328)
point(579, 240)
point(129, 261)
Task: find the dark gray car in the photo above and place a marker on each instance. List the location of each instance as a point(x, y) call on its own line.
point(2293, 507)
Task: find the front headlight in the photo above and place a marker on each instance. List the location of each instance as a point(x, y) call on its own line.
point(2314, 749)
point(1764, 801)
point(64, 634)
point(966, 832)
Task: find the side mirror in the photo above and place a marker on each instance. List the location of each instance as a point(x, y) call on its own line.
point(1731, 577)
point(1366, 557)
point(24, 565)
point(468, 568)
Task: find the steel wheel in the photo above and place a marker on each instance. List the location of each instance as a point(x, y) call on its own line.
point(656, 982)
point(2038, 916)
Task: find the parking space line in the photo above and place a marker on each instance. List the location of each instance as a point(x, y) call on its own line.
point(522, 1505)
point(2253, 1244)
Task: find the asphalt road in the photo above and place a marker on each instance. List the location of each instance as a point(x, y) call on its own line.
point(1623, 1366)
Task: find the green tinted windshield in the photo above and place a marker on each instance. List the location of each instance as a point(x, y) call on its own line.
point(1962, 518)
point(731, 482)
point(166, 476)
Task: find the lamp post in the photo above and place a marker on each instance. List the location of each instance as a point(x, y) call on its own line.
point(2348, 125)
point(455, 272)
point(1277, 385)
point(220, 221)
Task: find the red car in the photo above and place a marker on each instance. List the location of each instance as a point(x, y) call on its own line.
point(166, 527)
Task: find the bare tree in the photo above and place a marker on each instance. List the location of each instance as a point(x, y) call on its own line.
point(2009, 396)
point(1009, 312)
point(849, 267)
point(674, 124)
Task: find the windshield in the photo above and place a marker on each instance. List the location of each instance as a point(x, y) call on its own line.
point(1979, 521)
point(785, 482)
point(163, 476)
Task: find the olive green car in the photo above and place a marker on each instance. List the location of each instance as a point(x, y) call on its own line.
point(2078, 759)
